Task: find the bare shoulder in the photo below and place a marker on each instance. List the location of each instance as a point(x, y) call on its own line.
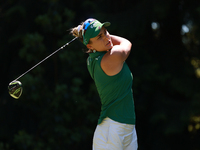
point(111, 65)
point(112, 62)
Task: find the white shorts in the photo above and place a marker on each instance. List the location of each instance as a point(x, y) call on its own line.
point(112, 135)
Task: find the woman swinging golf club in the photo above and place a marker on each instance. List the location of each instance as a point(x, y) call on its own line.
point(113, 79)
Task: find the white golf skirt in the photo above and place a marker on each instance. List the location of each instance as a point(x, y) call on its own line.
point(112, 135)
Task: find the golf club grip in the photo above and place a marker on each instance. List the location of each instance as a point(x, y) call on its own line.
point(46, 58)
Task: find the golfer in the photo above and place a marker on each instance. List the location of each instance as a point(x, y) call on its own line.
point(113, 79)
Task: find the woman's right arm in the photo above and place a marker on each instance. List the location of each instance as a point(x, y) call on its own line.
point(112, 61)
point(121, 48)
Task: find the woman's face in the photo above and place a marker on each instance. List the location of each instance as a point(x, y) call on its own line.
point(102, 42)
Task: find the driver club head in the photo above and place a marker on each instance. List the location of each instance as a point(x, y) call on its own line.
point(15, 89)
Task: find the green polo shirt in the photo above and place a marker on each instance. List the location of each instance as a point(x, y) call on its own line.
point(115, 91)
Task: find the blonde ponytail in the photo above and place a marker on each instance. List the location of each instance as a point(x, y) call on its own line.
point(77, 32)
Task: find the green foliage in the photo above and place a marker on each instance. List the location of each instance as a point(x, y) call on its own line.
point(15, 10)
point(59, 106)
point(33, 43)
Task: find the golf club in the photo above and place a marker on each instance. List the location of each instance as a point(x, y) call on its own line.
point(15, 87)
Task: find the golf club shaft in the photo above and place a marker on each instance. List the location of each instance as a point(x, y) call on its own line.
point(46, 58)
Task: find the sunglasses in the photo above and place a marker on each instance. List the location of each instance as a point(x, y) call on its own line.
point(86, 25)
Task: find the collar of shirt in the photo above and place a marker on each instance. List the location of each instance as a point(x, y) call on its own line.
point(96, 54)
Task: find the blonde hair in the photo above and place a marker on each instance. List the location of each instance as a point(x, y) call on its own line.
point(77, 32)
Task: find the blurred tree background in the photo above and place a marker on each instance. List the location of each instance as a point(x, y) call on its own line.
point(59, 107)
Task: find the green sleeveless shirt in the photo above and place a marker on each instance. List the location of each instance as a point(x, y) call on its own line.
point(115, 91)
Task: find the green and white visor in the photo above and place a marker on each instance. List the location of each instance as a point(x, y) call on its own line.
point(91, 29)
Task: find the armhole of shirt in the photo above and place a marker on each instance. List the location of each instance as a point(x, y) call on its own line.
point(99, 63)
